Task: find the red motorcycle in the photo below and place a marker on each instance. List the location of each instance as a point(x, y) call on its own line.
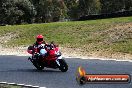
point(49, 56)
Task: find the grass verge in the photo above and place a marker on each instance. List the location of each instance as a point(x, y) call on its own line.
point(103, 35)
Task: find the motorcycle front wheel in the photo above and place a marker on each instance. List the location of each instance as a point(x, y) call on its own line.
point(63, 65)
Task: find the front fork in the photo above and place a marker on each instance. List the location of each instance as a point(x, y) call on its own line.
point(57, 60)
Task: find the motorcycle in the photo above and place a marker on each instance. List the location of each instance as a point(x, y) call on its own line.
point(49, 57)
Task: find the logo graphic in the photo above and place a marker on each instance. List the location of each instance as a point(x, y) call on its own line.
point(83, 78)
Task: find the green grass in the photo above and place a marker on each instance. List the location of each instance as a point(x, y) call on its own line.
point(92, 35)
point(9, 86)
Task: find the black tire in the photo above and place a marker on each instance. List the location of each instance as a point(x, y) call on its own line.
point(63, 65)
point(38, 66)
point(82, 80)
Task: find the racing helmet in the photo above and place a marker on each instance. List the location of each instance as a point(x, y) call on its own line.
point(39, 39)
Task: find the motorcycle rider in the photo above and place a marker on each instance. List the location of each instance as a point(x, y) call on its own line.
point(36, 49)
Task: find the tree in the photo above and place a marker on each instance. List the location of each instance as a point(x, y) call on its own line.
point(28, 8)
point(110, 6)
point(59, 10)
point(77, 8)
point(16, 11)
point(50, 10)
point(72, 8)
point(127, 4)
point(88, 7)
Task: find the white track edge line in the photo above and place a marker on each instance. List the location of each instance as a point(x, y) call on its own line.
point(92, 58)
point(21, 85)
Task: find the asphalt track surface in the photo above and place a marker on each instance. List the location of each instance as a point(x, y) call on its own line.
point(19, 70)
